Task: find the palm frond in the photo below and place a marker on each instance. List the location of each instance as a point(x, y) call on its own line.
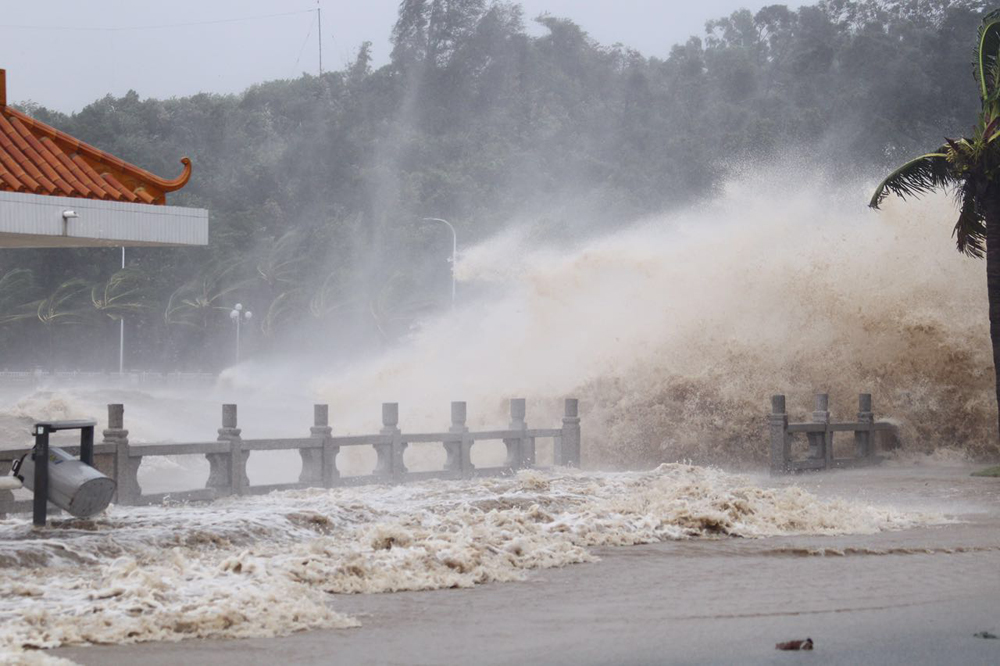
point(16, 304)
point(924, 174)
point(985, 59)
point(119, 295)
point(193, 302)
point(65, 304)
point(970, 230)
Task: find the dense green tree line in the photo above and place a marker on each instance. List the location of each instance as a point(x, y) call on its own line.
point(316, 185)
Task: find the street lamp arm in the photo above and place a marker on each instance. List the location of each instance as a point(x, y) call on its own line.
point(438, 219)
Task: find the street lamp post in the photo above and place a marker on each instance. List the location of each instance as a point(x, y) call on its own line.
point(239, 316)
point(454, 253)
point(121, 332)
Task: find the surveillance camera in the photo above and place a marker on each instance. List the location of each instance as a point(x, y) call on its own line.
point(69, 214)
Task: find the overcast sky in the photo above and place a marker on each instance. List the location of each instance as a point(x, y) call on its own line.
point(65, 54)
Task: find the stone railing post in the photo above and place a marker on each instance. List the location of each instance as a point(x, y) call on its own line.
point(228, 471)
point(6, 502)
point(312, 459)
point(520, 449)
point(866, 418)
point(328, 454)
point(569, 448)
point(390, 454)
point(456, 454)
point(125, 468)
point(818, 440)
point(780, 450)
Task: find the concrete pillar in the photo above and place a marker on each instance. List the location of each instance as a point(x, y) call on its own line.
point(321, 427)
point(105, 462)
point(228, 471)
point(456, 459)
point(390, 454)
point(569, 444)
point(863, 439)
point(125, 470)
point(780, 449)
point(818, 440)
point(6, 502)
point(520, 453)
point(314, 470)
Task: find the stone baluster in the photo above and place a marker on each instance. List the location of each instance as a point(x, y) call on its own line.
point(390, 453)
point(520, 449)
point(569, 443)
point(312, 459)
point(818, 440)
point(228, 471)
point(455, 461)
point(125, 469)
point(780, 444)
point(866, 418)
point(322, 429)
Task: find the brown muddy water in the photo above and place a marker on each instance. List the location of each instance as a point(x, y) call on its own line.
point(678, 565)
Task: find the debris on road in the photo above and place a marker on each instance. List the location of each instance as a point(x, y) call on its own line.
point(807, 644)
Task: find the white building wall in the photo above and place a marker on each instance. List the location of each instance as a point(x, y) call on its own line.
point(32, 220)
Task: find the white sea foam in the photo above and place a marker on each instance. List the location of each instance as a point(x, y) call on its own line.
point(264, 566)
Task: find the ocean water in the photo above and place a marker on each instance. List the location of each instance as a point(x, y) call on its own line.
point(271, 565)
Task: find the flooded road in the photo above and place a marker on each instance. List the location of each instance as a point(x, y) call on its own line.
point(914, 595)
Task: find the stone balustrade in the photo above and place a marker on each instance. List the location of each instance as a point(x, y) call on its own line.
point(819, 431)
point(228, 454)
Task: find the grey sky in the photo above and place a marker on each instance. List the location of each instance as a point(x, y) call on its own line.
point(67, 53)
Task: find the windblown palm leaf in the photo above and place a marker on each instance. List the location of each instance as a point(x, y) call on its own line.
point(15, 289)
point(282, 262)
point(193, 302)
point(920, 176)
point(970, 230)
point(120, 295)
point(986, 57)
point(65, 305)
point(328, 297)
point(280, 311)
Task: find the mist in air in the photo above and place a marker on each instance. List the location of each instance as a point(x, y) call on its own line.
point(671, 239)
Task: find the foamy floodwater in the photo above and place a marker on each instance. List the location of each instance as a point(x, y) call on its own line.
point(264, 566)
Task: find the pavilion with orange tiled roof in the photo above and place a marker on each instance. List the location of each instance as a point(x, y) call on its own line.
point(57, 191)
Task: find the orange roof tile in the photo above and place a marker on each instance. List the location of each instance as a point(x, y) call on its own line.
point(37, 158)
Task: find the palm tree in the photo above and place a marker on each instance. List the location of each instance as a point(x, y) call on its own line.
point(119, 296)
point(971, 168)
point(15, 288)
point(194, 302)
point(64, 306)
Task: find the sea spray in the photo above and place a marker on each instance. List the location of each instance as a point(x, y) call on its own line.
point(676, 331)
